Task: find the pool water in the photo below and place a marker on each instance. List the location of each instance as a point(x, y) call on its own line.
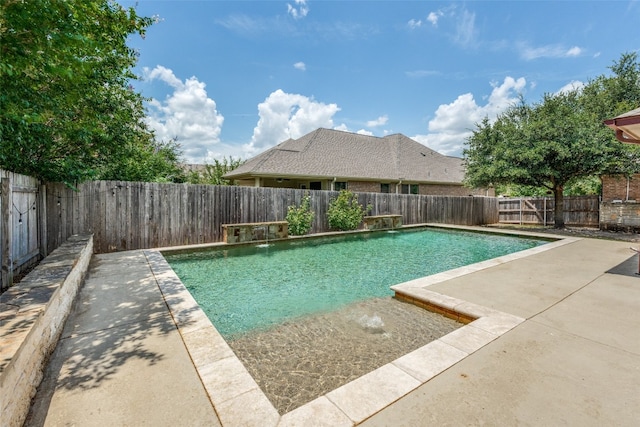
point(245, 288)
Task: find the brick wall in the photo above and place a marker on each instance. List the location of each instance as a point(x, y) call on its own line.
point(363, 187)
point(454, 190)
point(615, 188)
point(424, 189)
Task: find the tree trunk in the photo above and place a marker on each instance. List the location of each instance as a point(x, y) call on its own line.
point(558, 212)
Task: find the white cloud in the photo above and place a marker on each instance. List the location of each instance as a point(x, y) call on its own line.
point(434, 16)
point(299, 11)
point(549, 51)
point(574, 85)
point(364, 132)
point(187, 114)
point(380, 121)
point(285, 115)
point(465, 28)
point(300, 66)
point(574, 51)
point(414, 23)
point(453, 123)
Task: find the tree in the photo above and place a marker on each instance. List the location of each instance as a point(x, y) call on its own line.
point(559, 141)
point(154, 162)
point(213, 174)
point(550, 144)
point(67, 110)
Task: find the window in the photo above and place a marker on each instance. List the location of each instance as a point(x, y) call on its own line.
point(315, 185)
point(384, 188)
point(409, 189)
point(340, 185)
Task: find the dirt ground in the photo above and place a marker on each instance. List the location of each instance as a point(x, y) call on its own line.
point(593, 233)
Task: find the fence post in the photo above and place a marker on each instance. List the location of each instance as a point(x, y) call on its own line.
point(42, 221)
point(6, 224)
point(521, 202)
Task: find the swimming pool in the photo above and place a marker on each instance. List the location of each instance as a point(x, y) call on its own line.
point(244, 288)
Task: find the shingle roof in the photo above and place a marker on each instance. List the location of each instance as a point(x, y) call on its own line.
point(332, 153)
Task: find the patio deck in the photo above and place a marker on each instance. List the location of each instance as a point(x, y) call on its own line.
point(575, 359)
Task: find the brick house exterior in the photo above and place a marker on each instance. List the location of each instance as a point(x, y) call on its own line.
point(327, 159)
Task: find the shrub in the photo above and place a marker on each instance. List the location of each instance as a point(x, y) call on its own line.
point(345, 213)
point(300, 218)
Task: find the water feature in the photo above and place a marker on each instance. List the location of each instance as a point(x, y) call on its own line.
point(245, 288)
point(265, 231)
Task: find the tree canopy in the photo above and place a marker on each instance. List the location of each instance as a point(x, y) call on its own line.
point(559, 140)
point(213, 173)
point(68, 111)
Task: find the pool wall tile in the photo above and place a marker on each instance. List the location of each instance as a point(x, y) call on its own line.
point(372, 392)
point(320, 412)
point(429, 360)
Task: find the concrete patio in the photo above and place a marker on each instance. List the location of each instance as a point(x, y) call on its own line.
point(573, 360)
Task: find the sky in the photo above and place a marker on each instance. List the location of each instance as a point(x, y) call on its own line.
point(234, 78)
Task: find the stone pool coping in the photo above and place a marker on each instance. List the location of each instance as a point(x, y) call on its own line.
point(232, 390)
point(32, 315)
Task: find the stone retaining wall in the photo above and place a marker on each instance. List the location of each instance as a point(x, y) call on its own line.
point(382, 222)
point(32, 315)
point(620, 216)
point(255, 231)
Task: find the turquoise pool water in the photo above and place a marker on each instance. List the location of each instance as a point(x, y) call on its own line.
point(249, 287)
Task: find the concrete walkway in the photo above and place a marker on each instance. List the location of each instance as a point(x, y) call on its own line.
point(575, 360)
point(121, 360)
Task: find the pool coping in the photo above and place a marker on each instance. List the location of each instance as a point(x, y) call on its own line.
point(232, 390)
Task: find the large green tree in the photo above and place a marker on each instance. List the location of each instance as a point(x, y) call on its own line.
point(68, 111)
point(557, 141)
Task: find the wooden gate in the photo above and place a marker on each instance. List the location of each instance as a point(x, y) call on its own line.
point(579, 211)
point(20, 223)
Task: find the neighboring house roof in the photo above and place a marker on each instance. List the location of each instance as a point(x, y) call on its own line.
point(627, 126)
point(345, 155)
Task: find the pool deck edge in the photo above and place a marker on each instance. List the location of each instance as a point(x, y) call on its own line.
point(229, 384)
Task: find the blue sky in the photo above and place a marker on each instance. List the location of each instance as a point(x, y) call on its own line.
point(233, 78)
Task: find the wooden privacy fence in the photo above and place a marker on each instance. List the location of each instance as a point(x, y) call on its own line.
point(579, 211)
point(131, 215)
point(21, 230)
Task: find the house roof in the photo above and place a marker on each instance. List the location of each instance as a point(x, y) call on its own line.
point(344, 155)
point(627, 126)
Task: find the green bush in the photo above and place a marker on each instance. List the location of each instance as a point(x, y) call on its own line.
point(300, 218)
point(345, 213)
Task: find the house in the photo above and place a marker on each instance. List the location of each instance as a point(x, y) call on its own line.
point(621, 188)
point(327, 159)
point(626, 126)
